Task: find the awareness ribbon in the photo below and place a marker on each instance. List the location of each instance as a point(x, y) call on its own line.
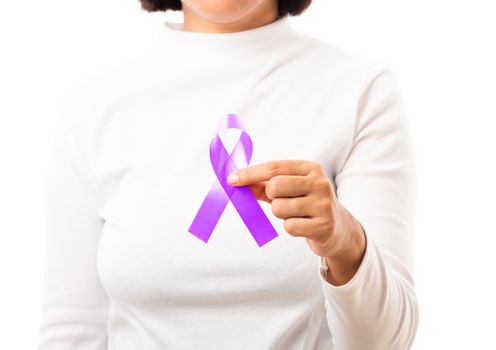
point(221, 192)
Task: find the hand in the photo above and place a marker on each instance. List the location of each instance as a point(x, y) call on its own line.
point(300, 193)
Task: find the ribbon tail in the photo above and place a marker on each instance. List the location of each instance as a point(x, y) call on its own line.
point(253, 215)
point(209, 213)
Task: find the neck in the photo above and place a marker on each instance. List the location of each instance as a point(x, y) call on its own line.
point(264, 14)
point(264, 41)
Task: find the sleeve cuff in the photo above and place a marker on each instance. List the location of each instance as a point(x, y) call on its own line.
point(355, 281)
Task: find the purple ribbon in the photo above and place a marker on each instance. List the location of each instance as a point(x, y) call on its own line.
point(221, 192)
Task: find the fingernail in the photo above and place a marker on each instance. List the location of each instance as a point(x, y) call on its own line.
point(233, 178)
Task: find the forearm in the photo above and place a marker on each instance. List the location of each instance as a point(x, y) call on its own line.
point(377, 307)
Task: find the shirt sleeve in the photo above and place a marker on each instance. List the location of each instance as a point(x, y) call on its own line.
point(74, 304)
point(377, 308)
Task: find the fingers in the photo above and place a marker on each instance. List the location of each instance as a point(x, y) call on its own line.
point(292, 207)
point(287, 186)
point(265, 171)
point(311, 228)
point(297, 226)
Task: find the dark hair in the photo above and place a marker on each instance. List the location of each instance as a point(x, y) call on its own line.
point(285, 7)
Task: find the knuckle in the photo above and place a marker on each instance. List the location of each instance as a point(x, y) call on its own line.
point(326, 206)
point(321, 183)
point(301, 183)
point(315, 166)
point(278, 208)
point(325, 227)
point(273, 187)
point(272, 168)
point(297, 205)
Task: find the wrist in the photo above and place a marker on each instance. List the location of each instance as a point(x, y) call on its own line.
point(345, 261)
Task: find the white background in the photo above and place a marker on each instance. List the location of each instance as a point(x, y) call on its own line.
point(444, 55)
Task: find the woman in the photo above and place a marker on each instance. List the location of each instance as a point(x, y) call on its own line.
point(332, 167)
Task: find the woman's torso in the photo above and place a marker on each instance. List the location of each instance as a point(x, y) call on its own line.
point(152, 125)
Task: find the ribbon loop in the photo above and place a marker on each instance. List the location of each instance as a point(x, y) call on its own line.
point(221, 192)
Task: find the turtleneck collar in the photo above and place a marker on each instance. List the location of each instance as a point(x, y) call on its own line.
point(173, 39)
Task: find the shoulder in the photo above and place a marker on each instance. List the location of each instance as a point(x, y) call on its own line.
point(109, 81)
point(354, 72)
point(88, 97)
point(367, 85)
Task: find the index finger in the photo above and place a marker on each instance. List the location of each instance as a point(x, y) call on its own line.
point(265, 171)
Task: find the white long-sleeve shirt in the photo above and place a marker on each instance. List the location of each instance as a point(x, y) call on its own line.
point(130, 168)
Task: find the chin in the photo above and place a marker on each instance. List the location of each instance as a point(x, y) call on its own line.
point(222, 11)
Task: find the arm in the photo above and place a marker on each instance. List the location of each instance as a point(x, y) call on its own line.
point(74, 304)
point(363, 228)
point(377, 308)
